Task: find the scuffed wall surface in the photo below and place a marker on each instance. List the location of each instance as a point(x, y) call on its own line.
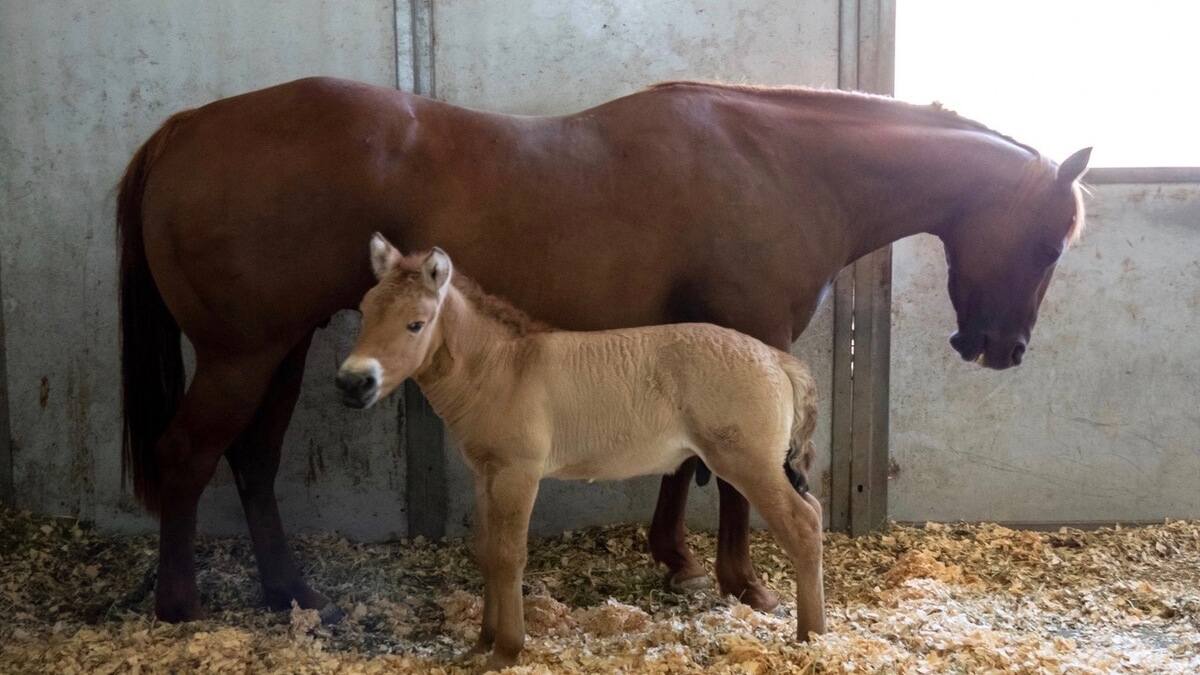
point(549, 57)
point(1102, 421)
point(82, 84)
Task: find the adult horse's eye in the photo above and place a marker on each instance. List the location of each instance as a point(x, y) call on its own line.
point(416, 326)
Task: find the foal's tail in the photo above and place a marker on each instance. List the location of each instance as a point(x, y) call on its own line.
point(151, 358)
point(801, 450)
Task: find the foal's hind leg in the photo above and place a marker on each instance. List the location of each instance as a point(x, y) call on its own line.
point(795, 521)
point(219, 403)
point(254, 458)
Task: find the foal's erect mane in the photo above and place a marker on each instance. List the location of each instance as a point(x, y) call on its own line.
point(499, 310)
point(851, 102)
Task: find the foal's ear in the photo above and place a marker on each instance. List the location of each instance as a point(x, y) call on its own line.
point(383, 255)
point(436, 271)
point(1074, 166)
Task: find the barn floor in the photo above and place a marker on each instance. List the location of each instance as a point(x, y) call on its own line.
point(944, 598)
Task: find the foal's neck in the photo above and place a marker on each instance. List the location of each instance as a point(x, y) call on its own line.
point(469, 354)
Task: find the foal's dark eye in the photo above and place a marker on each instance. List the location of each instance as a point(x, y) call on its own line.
point(416, 326)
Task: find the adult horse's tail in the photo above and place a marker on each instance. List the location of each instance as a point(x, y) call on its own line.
point(152, 375)
point(804, 421)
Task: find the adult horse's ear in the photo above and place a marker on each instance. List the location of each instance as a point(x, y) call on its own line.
point(1074, 166)
point(436, 271)
point(383, 255)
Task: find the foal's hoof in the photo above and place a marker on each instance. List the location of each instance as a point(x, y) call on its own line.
point(497, 662)
point(679, 583)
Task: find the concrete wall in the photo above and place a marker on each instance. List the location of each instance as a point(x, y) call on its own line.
point(1102, 422)
point(83, 83)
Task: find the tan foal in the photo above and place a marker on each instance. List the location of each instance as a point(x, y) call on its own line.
point(527, 402)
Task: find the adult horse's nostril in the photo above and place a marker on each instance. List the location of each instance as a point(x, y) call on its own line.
point(1018, 353)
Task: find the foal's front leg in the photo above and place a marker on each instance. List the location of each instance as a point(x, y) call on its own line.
point(509, 493)
point(487, 631)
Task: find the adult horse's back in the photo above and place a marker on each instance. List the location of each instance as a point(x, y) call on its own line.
point(242, 223)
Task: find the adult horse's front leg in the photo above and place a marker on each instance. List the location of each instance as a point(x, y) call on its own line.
point(219, 403)
point(668, 532)
point(254, 459)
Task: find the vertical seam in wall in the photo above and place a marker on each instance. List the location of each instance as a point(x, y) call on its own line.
point(414, 34)
point(421, 24)
point(841, 441)
point(396, 43)
point(432, 50)
point(427, 483)
point(7, 484)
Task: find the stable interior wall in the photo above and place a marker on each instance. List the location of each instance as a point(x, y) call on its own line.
point(1101, 423)
point(83, 84)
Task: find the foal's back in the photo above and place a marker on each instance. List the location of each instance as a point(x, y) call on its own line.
point(622, 403)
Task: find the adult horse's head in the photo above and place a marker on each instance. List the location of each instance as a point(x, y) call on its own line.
point(400, 330)
point(1001, 261)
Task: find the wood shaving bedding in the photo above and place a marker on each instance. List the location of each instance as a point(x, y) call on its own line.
point(943, 598)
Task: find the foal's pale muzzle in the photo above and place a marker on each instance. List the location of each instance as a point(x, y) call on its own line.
point(359, 381)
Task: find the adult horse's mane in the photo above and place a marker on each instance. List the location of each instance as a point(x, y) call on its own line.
point(1038, 170)
point(934, 114)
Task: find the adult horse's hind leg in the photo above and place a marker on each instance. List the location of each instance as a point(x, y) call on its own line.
point(254, 458)
point(668, 533)
point(219, 403)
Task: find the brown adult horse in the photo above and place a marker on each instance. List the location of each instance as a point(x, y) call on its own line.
point(243, 224)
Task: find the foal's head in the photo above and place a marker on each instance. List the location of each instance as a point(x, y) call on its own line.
point(400, 330)
point(1001, 262)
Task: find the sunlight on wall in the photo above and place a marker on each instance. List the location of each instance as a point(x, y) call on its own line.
point(1062, 74)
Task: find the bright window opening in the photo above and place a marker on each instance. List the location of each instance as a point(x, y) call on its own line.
point(1059, 75)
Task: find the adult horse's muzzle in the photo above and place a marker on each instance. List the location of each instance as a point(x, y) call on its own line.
point(989, 350)
point(359, 383)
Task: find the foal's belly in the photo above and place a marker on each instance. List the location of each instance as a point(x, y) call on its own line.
point(612, 461)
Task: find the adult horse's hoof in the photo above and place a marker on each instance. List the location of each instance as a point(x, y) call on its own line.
point(331, 614)
point(757, 596)
point(306, 598)
point(179, 612)
point(687, 583)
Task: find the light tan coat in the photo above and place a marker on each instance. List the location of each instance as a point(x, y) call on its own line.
point(527, 403)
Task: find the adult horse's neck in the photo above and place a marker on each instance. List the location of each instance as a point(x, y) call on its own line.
point(892, 169)
point(923, 181)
